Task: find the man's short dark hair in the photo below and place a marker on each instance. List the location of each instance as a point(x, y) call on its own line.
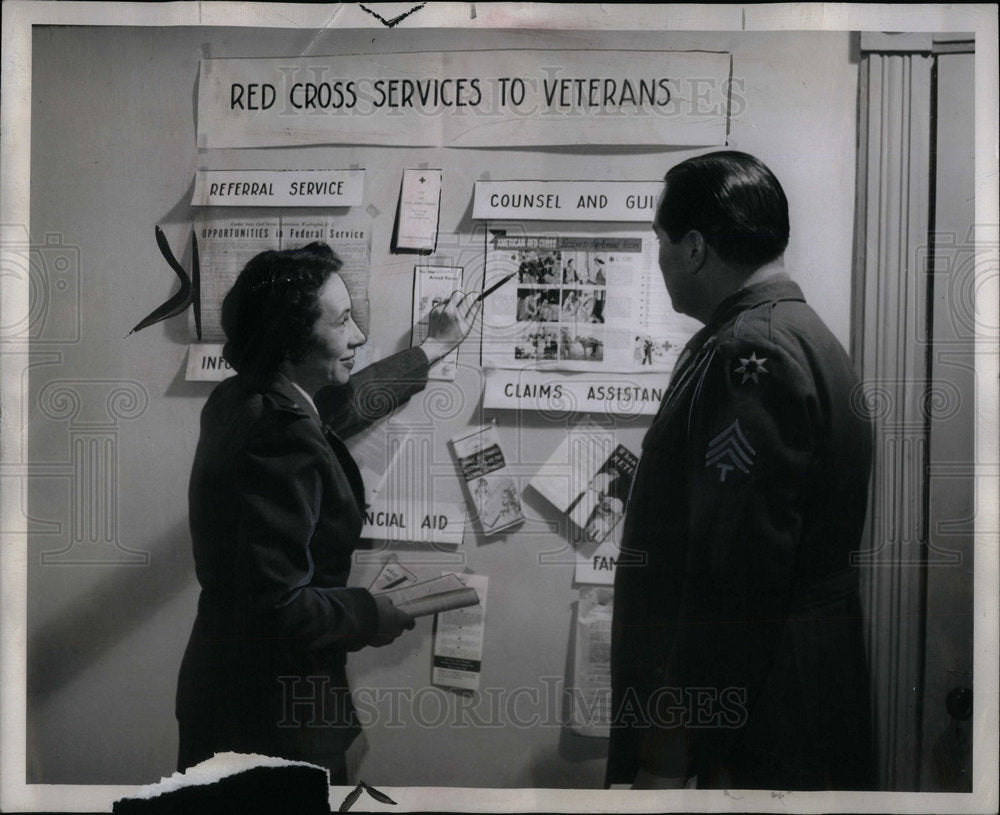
point(733, 200)
point(269, 313)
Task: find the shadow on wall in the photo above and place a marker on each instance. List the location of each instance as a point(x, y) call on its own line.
point(114, 608)
point(580, 760)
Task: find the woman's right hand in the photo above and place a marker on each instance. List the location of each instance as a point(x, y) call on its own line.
point(391, 622)
point(449, 323)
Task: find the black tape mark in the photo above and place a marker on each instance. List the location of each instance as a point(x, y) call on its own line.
point(381, 797)
point(353, 795)
point(394, 20)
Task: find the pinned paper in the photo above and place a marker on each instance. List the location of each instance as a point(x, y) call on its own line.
point(458, 641)
point(392, 575)
point(205, 363)
point(432, 286)
point(419, 209)
point(597, 564)
point(493, 490)
point(590, 698)
point(278, 188)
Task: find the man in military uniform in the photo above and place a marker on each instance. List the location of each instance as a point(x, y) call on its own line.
point(737, 651)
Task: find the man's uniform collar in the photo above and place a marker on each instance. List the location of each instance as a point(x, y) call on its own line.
point(774, 289)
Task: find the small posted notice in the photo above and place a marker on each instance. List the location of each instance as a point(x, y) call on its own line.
point(493, 491)
point(432, 286)
point(590, 705)
point(419, 205)
point(458, 641)
point(596, 565)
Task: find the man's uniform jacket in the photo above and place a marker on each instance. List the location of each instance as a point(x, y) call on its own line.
point(737, 651)
point(276, 506)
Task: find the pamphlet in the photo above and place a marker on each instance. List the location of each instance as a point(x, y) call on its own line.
point(419, 208)
point(432, 596)
point(602, 504)
point(493, 491)
point(458, 640)
point(588, 478)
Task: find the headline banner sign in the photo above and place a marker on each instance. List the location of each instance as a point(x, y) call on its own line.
point(278, 188)
point(567, 200)
point(510, 98)
point(557, 392)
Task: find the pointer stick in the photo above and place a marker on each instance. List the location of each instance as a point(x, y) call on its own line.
point(494, 287)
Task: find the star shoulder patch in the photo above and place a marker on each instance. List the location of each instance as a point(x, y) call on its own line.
point(730, 451)
point(751, 368)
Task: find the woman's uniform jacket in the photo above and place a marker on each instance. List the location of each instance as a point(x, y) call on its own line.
point(276, 506)
point(737, 649)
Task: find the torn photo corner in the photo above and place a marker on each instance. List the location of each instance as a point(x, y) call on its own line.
point(255, 783)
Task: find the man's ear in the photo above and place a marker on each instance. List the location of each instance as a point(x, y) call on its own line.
point(695, 250)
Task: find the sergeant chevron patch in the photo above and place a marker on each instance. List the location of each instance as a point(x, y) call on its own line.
point(730, 451)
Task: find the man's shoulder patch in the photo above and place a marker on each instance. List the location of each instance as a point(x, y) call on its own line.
point(730, 451)
point(750, 368)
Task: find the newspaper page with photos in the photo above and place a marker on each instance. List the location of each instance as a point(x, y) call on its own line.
point(580, 303)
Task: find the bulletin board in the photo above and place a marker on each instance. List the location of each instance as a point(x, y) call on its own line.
point(402, 166)
point(266, 137)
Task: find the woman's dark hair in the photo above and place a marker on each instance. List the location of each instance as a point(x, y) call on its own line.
point(269, 313)
point(733, 200)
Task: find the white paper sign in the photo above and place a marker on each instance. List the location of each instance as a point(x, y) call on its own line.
point(503, 97)
point(597, 566)
point(392, 519)
point(278, 188)
point(567, 200)
point(205, 363)
point(558, 392)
